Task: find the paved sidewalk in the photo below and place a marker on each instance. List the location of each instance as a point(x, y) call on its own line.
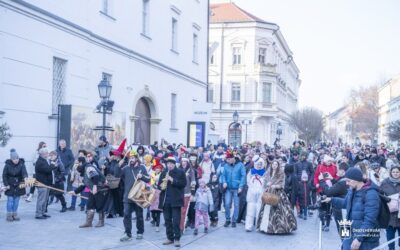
point(61, 232)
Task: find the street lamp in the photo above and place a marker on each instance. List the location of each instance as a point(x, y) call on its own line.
point(246, 122)
point(235, 124)
point(279, 131)
point(106, 104)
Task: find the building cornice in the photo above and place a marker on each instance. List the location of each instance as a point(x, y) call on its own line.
point(79, 31)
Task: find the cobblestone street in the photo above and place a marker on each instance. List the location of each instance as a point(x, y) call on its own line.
point(61, 232)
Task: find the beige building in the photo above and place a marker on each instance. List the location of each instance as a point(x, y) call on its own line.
point(338, 126)
point(389, 106)
point(251, 71)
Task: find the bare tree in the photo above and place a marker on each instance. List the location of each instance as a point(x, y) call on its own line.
point(393, 131)
point(363, 112)
point(4, 134)
point(308, 123)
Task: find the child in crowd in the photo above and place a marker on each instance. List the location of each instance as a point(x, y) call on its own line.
point(215, 191)
point(204, 203)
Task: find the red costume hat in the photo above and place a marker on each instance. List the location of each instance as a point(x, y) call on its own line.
point(120, 150)
point(157, 164)
point(229, 154)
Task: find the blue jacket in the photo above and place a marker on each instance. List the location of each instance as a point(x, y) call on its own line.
point(234, 176)
point(362, 209)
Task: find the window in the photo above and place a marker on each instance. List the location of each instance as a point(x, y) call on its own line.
point(145, 17)
point(266, 92)
point(237, 56)
point(58, 90)
point(235, 92)
point(173, 110)
point(261, 55)
point(174, 34)
point(107, 77)
point(210, 95)
point(195, 48)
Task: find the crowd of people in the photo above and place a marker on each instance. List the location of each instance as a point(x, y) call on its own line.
point(268, 189)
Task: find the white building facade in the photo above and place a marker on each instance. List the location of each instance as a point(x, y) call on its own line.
point(251, 71)
point(154, 53)
point(338, 126)
point(389, 107)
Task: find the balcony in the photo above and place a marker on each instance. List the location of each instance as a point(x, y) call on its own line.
point(254, 106)
point(265, 68)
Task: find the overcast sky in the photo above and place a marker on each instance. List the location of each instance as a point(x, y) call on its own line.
point(337, 44)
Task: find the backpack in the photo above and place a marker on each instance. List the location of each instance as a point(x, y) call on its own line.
point(384, 212)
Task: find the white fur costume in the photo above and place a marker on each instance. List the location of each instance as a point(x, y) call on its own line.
point(255, 190)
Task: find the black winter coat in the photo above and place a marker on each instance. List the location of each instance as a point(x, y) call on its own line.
point(67, 158)
point(291, 187)
point(13, 175)
point(215, 191)
point(43, 171)
point(389, 188)
point(59, 171)
point(175, 191)
point(304, 165)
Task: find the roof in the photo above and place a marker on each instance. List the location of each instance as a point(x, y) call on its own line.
point(231, 13)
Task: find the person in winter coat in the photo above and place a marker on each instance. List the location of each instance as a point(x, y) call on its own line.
point(339, 189)
point(102, 151)
point(278, 219)
point(391, 187)
point(291, 184)
point(377, 173)
point(68, 160)
point(114, 204)
point(129, 175)
point(391, 161)
point(58, 179)
point(43, 174)
point(172, 199)
point(304, 171)
point(362, 204)
point(34, 159)
point(215, 191)
point(255, 183)
point(189, 188)
point(218, 157)
point(14, 173)
point(154, 207)
point(207, 167)
point(327, 169)
point(198, 174)
point(204, 203)
point(233, 179)
point(95, 182)
point(377, 158)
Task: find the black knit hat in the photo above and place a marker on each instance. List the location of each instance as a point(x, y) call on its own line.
point(354, 174)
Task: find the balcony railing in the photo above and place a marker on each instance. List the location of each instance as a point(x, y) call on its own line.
point(265, 68)
point(250, 105)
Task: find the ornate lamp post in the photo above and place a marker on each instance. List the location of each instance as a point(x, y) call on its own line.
point(235, 125)
point(279, 131)
point(106, 104)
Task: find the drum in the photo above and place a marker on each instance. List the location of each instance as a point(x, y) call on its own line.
point(142, 194)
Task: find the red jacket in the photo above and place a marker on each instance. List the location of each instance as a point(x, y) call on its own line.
point(322, 168)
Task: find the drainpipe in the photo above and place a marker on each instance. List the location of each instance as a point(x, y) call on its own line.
point(222, 66)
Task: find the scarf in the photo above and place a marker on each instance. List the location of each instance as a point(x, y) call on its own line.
point(259, 172)
point(393, 180)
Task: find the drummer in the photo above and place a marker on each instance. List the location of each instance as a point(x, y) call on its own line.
point(134, 171)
